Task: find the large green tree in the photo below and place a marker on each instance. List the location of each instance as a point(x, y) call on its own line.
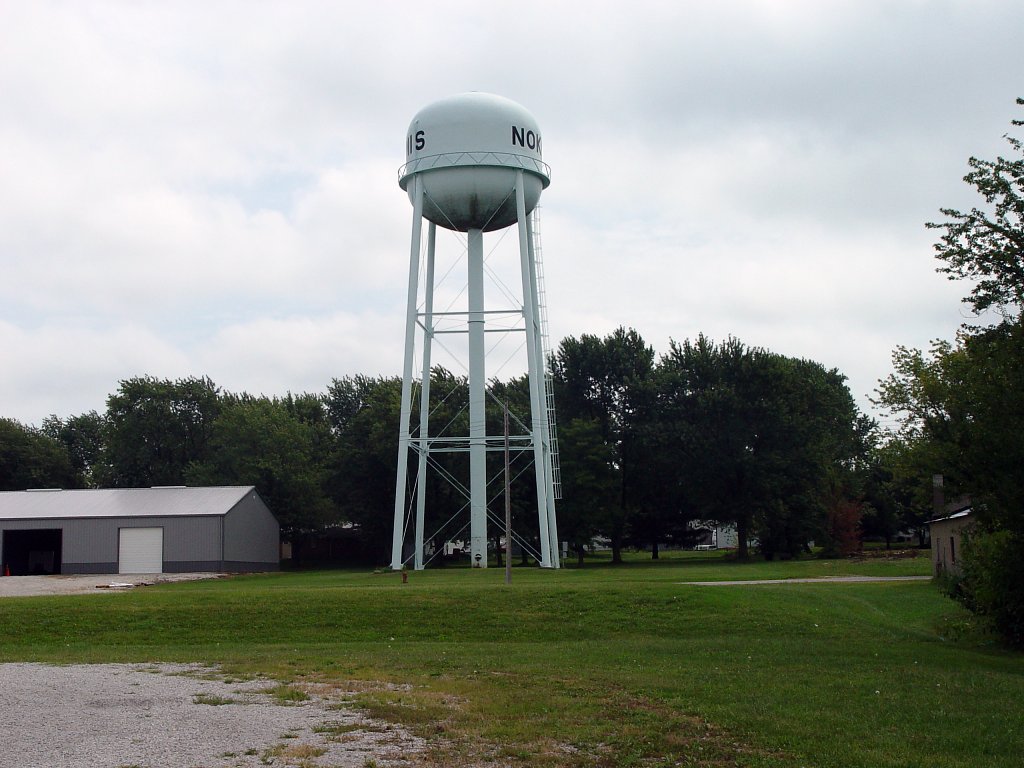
point(759, 440)
point(961, 407)
point(609, 382)
point(813, 443)
point(888, 488)
point(156, 428)
point(962, 404)
point(986, 244)
point(263, 442)
point(708, 432)
point(82, 435)
point(364, 415)
point(31, 459)
point(589, 484)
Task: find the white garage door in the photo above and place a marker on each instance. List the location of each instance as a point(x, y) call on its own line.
point(141, 550)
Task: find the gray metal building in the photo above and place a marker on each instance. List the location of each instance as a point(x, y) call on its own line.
point(137, 530)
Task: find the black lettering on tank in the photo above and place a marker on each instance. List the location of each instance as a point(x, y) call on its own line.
point(525, 138)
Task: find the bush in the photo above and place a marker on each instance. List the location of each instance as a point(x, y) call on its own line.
point(992, 579)
point(950, 584)
point(842, 534)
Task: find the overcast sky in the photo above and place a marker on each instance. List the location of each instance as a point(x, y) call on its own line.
point(209, 188)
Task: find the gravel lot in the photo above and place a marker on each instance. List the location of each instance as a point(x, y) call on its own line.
point(179, 716)
point(28, 586)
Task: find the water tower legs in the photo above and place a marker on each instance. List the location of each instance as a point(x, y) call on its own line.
point(410, 341)
point(538, 406)
point(428, 336)
point(477, 416)
point(478, 440)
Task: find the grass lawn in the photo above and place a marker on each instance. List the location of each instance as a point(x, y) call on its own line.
point(600, 666)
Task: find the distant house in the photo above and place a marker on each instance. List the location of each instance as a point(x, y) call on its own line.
point(711, 535)
point(137, 530)
point(946, 533)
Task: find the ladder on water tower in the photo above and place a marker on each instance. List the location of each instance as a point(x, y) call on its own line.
point(545, 343)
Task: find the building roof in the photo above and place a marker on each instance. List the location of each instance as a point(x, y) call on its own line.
point(954, 516)
point(175, 501)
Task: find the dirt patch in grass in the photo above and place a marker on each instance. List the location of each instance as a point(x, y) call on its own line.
point(638, 732)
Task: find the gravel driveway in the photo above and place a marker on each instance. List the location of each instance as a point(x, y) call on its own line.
point(179, 716)
point(28, 586)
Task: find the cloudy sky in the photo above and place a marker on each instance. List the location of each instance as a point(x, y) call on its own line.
point(209, 188)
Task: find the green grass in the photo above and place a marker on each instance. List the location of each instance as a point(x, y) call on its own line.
point(600, 666)
point(211, 699)
point(287, 694)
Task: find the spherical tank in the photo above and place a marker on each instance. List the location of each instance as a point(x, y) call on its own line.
point(466, 149)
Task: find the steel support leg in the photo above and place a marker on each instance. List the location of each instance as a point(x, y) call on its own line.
point(410, 342)
point(536, 397)
point(424, 442)
point(477, 414)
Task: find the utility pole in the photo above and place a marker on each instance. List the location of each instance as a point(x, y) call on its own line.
point(508, 508)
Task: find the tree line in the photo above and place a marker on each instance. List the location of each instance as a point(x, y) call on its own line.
point(722, 432)
point(960, 405)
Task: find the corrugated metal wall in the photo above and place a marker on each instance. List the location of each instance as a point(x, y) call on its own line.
point(90, 545)
point(251, 535)
point(246, 538)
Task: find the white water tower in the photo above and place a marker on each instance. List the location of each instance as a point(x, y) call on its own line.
point(473, 165)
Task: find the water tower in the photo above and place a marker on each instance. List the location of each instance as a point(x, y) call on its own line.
point(473, 165)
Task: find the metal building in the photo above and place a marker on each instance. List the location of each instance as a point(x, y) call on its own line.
point(137, 530)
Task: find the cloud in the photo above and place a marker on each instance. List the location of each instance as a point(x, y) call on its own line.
point(210, 189)
point(298, 354)
point(71, 368)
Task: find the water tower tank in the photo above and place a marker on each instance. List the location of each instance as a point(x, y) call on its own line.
point(466, 150)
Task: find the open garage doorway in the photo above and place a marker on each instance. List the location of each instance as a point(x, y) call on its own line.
point(34, 552)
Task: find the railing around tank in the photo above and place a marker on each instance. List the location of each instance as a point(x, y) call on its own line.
point(463, 159)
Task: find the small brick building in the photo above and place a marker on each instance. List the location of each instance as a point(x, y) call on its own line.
point(946, 533)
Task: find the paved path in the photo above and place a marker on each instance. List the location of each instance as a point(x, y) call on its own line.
point(823, 579)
